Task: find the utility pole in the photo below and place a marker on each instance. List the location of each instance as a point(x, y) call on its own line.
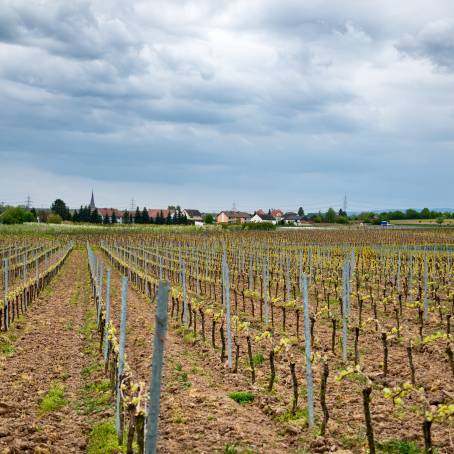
point(133, 203)
point(28, 201)
point(345, 203)
point(234, 206)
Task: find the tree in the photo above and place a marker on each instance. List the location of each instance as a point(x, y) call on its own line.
point(208, 219)
point(17, 215)
point(59, 207)
point(138, 217)
point(411, 214)
point(425, 213)
point(341, 212)
point(106, 219)
point(113, 218)
point(330, 216)
point(95, 217)
point(145, 216)
point(300, 211)
point(54, 218)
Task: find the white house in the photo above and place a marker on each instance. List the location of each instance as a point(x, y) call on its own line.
point(258, 217)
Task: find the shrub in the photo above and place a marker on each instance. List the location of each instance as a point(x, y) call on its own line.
point(16, 215)
point(54, 218)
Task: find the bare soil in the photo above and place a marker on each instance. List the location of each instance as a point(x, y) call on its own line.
point(48, 348)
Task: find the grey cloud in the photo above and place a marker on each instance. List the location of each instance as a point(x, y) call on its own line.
point(265, 93)
point(435, 41)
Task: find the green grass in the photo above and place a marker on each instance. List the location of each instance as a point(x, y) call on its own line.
point(95, 397)
point(258, 359)
point(54, 399)
point(75, 296)
point(6, 346)
point(103, 439)
point(398, 447)
point(298, 419)
point(242, 397)
point(232, 449)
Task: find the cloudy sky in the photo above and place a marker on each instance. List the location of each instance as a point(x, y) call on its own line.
point(265, 103)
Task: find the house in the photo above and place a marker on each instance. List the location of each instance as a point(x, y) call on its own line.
point(193, 216)
point(277, 214)
point(232, 217)
point(108, 212)
point(292, 218)
point(263, 218)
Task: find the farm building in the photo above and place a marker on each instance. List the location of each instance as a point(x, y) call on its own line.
point(232, 217)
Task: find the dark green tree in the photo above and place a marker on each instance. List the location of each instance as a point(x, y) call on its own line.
point(59, 207)
point(300, 211)
point(145, 216)
point(95, 217)
point(126, 219)
point(208, 219)
point(113, 218)
point(330, 216)
point(138, 216)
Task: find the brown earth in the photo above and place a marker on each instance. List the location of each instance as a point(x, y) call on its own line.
point(48, 347)
point(197, 416)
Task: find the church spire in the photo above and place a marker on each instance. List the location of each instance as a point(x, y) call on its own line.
point(92, 201)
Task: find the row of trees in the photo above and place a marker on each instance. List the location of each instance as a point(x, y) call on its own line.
point(331, 217)
point(398, 215)
point(85, 214)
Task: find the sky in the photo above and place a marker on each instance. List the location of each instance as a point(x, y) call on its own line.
point(206, 104)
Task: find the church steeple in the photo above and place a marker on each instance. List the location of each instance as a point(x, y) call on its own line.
point(92, 202)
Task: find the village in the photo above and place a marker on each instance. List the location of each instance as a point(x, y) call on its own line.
point(195, 217)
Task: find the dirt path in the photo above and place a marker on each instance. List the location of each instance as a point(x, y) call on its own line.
point(47, 367)
point(197, 416)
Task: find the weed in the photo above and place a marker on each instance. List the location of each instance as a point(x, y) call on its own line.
point(242, 397)
point(54, 399)
point(258, 359)
point(230, 449)
point(95, 397)
point(7, 348)
point(298, 419)
point(398, 447)
point(103, 439)
point(65, 375)
point(69, 326)
point(88, 371)
point(190, 338)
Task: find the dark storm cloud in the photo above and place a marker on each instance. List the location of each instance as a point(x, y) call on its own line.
point(299, 100)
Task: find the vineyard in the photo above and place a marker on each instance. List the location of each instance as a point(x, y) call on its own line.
point(289, 341)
